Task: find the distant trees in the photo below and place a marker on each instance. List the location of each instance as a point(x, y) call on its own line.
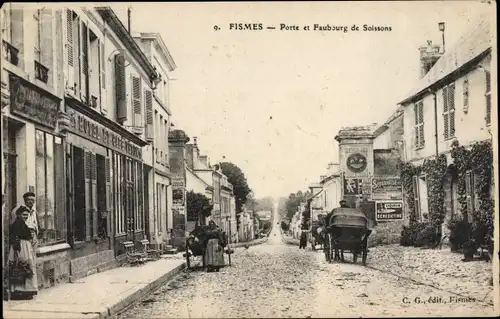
point(293, 202)
point(237, 178)
point(198, 206)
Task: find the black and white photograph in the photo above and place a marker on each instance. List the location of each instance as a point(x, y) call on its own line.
point(249, 159)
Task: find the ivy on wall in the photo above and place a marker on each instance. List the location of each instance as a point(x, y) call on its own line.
point(435, 171)
point(479, 160)
point(409, 170)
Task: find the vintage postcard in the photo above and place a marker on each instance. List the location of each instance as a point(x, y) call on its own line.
point(249, 159)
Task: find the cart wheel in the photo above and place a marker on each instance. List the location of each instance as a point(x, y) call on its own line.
point(365, 254)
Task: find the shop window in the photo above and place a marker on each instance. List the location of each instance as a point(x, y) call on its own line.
point(119, 195)
point(48, 162)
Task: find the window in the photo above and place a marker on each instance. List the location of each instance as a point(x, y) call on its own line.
point(419, 124)
point(488, 96)
point(465, 92)
point(94, 70)
point(119, 198)
point(38, 36)
point(137, 103)
point(420, 197)
point(449, 110)
point(51, 219)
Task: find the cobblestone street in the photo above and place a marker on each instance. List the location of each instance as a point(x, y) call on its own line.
point(278, 280)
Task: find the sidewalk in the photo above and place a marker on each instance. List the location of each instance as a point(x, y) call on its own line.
point(100, 295)
point(103, 294)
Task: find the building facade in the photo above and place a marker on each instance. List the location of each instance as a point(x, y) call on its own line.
point(332, 190)
point(450, 103)
point(157, 176)
point(74, 133)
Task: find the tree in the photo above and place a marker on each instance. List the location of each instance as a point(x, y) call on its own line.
point(241, 189)
point(198, 206)
point(293, 202)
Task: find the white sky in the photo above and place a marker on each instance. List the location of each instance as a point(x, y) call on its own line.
point(230, 83)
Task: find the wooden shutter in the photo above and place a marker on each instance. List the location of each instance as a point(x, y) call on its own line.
point(451, 109)
point(88, 194)
point(148, 97)
point(93, 194)
point(469, 191)
point(47, 56)
point(416, 196)
point(70, 46)
point(109, 198)
point(446, 130)
point(102, 78)
point(488, 96)
point(121, 93)
point(84, 62)
point(136, 102)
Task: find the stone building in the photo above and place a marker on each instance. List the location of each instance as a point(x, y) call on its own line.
point(157, 176)
point(451, 102)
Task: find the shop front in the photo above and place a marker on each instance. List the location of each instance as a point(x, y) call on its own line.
point(105, 196)
point(33, 159)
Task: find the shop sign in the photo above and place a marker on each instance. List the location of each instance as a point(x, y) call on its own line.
point(29, 101)
point(355, 186)
point(98, 133)
point(387, 188)
point(178, 196)
point(388, 210)
point(178, 181)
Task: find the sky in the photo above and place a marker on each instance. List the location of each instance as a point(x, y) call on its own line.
point(272, 101)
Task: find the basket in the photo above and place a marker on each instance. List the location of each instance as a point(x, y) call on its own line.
point(19, 271)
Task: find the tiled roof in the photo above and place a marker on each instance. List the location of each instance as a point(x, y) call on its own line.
point(468, 47)
point(356, 131)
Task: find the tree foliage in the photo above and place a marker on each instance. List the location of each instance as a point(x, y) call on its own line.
point(198, 205)
point(293, 202)
point(237, 178)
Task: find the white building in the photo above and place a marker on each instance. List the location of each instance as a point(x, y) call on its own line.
point(157, 125)
point(332, 188)
point(451, 102)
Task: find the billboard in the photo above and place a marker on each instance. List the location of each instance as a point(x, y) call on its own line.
point(387, 188)
point(389, 210)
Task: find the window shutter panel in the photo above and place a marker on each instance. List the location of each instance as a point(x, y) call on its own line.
point(121, 94)
point(416, 110)
point(149, 115)
point(84, 62)
point(136, 103)
point(446, 126)
point(452, 122)
point(488, 96)
point(416, 196)
point(88, 194)
point(17, 33)
point(70, 37)
point(445, 99)
point(102, 79)
point(109, 197)
point(93, 181)
point(47, 55)
point(451, 97)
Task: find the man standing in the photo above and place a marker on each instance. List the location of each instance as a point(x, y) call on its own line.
point(32, 221)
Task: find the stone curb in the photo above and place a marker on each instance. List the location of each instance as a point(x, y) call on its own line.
point(129, 300)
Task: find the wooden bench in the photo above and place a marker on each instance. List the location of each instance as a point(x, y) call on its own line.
point(148, 252)
point(133, 257)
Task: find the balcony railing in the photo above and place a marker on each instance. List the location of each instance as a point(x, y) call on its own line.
point(41, 72)
point(10, 53)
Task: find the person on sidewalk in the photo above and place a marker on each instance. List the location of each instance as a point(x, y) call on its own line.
point(32, 221)
point(22, 264)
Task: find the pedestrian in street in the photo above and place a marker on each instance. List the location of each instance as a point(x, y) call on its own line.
point(214, 254)
point(22, 263)
point(303, 240)
point(32, 220)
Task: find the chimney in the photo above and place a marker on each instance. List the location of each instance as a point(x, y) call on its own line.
point(429, 54)
point(204, 160)
point(129, 18)
point(189, 155)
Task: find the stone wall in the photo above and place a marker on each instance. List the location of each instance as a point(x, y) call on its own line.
point(52, 268)
point(91, 264)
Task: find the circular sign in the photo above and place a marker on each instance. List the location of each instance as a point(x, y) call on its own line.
point(356, 162)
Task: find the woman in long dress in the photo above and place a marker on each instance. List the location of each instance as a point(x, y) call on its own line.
point(214, 254)
point(21, 253)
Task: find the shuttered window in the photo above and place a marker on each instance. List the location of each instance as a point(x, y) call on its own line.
point(137, 103)
point(419, 124)
point(416, 195)
point(488, 96)
point(120, 88)
point(38, 36)
point(102, 78)
point(465, 93)
point(449, 111)
point(148, 97)
point(84, 63)
point(70, 48)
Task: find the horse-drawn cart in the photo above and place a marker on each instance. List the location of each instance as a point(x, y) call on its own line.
point(347, 230)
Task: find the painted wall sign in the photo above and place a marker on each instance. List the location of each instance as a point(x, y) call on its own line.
point(29, 101)
point(389, 210)
point(387, 188)
point(87, 128)
point(356, 162)
point(178, 196)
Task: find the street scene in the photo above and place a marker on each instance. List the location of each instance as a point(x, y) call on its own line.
point(221, 160)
